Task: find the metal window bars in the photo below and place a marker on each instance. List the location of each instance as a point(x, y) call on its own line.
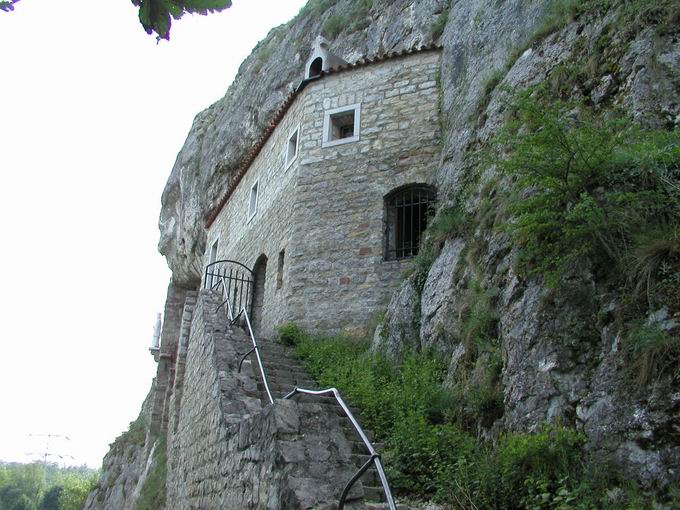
point(374, 456)
point(407, 211)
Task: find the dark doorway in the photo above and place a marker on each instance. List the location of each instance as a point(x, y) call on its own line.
point(316, 67)
point(260, 275)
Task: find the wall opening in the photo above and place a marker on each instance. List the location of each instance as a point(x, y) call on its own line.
point(252, 203)
point(407, 212)
point(279, 270)
point(315, 67)
point(341, 125)
point(292, 147)
point(260, 275)
point(213, 252)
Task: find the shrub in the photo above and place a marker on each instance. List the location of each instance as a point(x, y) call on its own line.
point(290, 334)
point(652, 352)
point(153, 493)
point(335, 24)
point(439, 24)
point(591, 185)
point(429, 456)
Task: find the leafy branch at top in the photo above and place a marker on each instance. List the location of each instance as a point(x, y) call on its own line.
point(157, 15)
point(7, 5)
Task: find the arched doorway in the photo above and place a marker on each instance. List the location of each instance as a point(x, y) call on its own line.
point(260, 275)
point(315, 67)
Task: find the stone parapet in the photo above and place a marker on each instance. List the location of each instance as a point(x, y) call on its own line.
point(226, 451)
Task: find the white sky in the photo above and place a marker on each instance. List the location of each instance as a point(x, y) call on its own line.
point(92, 115)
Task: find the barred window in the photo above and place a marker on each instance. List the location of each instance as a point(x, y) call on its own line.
point(407, 211)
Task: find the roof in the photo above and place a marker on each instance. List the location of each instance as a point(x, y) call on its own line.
point(287, 103)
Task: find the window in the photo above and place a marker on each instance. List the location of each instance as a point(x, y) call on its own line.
point(407, 211)
point(292, 146)
point(279, 270)
point(252, 204)
point(213, 252)
point(341, 125)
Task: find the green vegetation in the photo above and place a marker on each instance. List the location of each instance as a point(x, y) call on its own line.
point(432, 452)
point(599, 187)
point(315, 8)
point(290, 334)
point(7, 5)
point(134, 435)
point(439, 24)
point(153, 493)
point(156, 15)
point(653, 351)
point(357, 18)
point(335, 24)
point(38, 486)
point(634, 15)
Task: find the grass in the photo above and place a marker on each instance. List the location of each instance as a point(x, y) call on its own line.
point(439, 24)
point(357, 18)
point(430, 455)
point(153, 493)
point(335, 24)
point(652, 353)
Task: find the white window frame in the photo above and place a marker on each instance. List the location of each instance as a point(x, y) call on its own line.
point(215, 244)
point(256, 187)
point(327, 142)
point(289, 162)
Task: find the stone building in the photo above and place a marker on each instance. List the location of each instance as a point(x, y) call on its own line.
point(329, 206)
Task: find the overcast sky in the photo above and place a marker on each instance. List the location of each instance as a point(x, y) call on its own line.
point(92, 115)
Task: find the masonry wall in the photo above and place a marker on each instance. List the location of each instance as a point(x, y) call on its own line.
point(339, 277)
point(269, 231)
point(327, 209)
point(226, 451)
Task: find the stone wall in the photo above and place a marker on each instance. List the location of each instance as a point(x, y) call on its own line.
point(269, 231)
point(326, 210)
point(226, 451)
point(338, 273)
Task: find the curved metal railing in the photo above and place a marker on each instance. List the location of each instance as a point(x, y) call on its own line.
point(243, 312)
point(374, 456)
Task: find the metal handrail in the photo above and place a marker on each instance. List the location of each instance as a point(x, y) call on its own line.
point(375, 456)
point(255, 348)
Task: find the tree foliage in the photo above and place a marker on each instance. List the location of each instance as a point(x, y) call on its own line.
point(40, 486)
point(7, 5)
point(156, 15)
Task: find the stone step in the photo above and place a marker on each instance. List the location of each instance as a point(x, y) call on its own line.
point(351, 433)
point(285, 371)
point(358, 446)
point(283, 365)
point(374, 493)
point(282, 375)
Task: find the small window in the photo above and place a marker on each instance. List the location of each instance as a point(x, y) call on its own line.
point(252, 204)
point(341, 125)
point(279, 270)
point(213, 252)
point(407, 211)
point(292, 147)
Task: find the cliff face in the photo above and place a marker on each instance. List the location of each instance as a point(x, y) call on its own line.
point(489, 53)
point(562, 349)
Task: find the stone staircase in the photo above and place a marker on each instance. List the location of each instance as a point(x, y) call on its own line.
point(285, 371)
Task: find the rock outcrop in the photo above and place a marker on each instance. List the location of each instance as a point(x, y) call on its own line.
point(561, 350)
point(562, 357)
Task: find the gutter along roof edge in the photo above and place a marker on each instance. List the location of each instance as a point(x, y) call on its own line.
point(283, 109)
